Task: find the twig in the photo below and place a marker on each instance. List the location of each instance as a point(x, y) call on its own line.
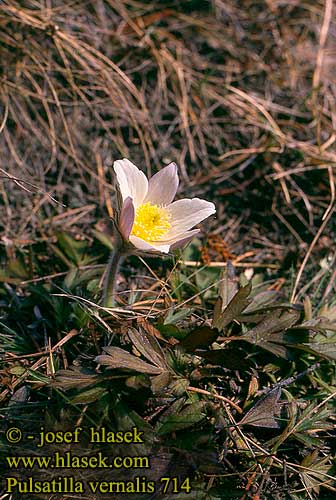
point(222, 398)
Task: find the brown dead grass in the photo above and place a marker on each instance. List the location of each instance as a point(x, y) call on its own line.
point(242, 97)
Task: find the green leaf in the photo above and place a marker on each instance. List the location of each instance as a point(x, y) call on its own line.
point(17, 370)
point(160, 382)
point(73, 249)
point(70, 277)
point(276, 321)
point(232, 358)
point(235, 307)
point(6, 278)
point(170, 331)
point(204, 278)
point(265, 411)
point(125, 419)
point(20, 396)
point(270, 333)
point(104, 239)
point(174, 317)
point(148, 346)
point(200, 338)
point(191, 414)
point(118, 358)
point(89, 396)
point(228, 286)
point(75, 377)
point(262, 299)
point(17, 270)
point(318, 472)
point(179, 387)
point(320, 337)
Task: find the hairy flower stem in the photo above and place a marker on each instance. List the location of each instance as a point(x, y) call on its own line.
point(111, 273)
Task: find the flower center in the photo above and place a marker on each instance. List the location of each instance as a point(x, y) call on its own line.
point(151, 222)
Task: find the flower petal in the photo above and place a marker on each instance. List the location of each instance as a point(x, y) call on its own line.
point(132, 182)
point(126, 220)
point(165, 245)
point(184, 239)
point(184, 214)
point(163, 185)
point(149, 246)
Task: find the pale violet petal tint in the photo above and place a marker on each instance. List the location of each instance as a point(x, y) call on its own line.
point(149, 218)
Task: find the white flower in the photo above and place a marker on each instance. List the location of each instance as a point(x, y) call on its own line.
point(148, 218)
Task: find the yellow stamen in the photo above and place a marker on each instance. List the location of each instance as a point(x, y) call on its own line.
point(151, 222)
